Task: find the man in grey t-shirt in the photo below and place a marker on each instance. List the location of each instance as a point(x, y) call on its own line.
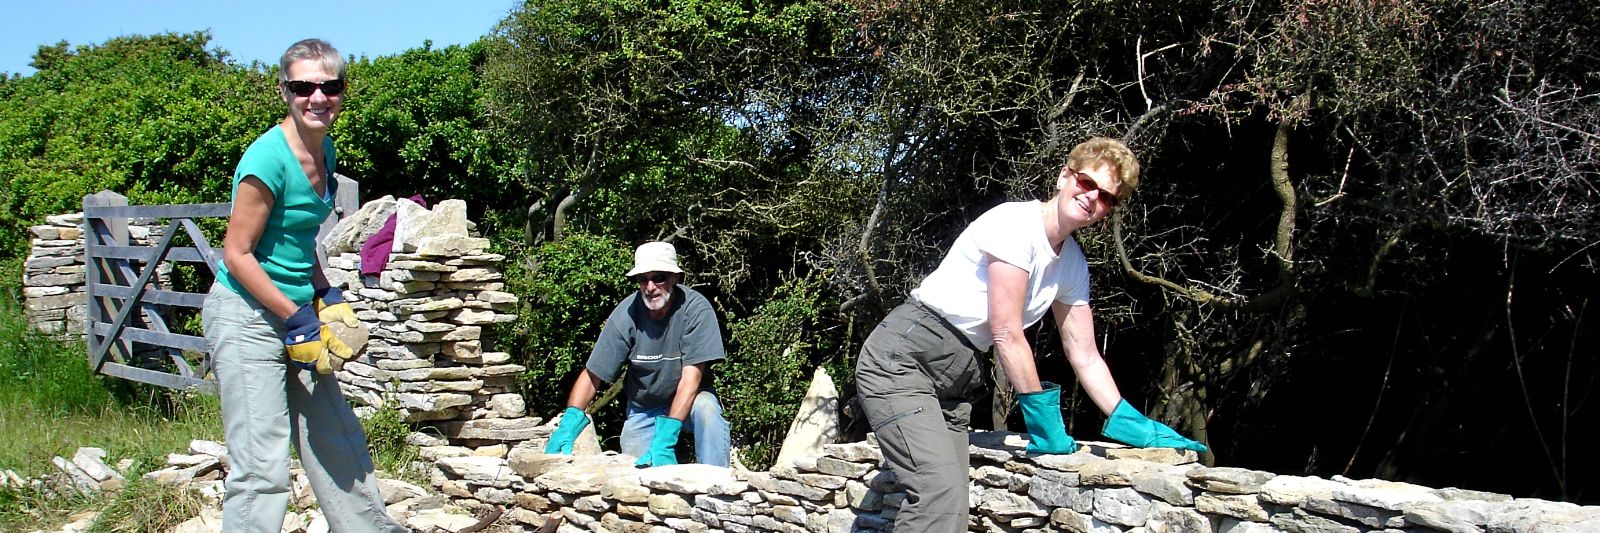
point(668, 335)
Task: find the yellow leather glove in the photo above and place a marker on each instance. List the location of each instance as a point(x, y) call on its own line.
point(336, 353)
point(331, 307)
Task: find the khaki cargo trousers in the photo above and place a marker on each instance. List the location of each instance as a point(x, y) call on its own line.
point(916, 376)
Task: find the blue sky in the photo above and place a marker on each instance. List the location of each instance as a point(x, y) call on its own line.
point(254, 30)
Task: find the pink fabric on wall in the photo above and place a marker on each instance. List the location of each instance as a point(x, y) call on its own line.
point(375, 252)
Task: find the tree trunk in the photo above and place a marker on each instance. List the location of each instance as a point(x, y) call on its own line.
point(583, 191)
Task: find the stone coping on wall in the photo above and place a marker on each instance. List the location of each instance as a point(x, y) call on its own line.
point(1102, 488)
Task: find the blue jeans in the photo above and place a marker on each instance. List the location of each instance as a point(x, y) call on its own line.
point(705, 422)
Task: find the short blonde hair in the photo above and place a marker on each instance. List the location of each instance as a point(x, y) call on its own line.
point(317, 49)
point(1105, 150)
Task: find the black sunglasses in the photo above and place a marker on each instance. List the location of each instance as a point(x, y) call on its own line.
point(301, 88)
point(654, 277)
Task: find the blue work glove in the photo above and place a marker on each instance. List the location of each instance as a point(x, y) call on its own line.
point(1128, 425)
point(572, 423)
point(303, 338)
point(663, 446)
point(331, 307)
point(1041, 411)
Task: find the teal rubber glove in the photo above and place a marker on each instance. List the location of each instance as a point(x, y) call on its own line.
point(1132, 427)
point(663, 446)
point(1041, 411)
point(572, 423)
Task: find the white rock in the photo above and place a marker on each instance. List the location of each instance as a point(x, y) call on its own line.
point(349, 234)
point(508, 405)
point(692, 479)
point(482, 470)
point(437, 518)
point(212, 448)
point(209, 521)
point(394, 490)
point(81, 480)
point(816, 423)
point(409, 216)
point(92, 461)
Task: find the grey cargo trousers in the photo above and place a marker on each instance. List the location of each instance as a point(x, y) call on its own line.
point(268, 407)
point(915, 376)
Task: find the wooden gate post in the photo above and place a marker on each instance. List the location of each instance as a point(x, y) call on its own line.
point(98, 271)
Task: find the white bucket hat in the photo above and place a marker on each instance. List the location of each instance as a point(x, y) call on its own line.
point(655, 257)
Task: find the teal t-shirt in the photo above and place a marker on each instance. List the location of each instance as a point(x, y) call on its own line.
point(287, 248)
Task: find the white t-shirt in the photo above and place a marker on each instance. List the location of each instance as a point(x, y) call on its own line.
point(1013, 233)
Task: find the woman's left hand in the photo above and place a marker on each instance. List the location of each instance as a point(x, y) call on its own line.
point(1128, 425)
point(331, 307)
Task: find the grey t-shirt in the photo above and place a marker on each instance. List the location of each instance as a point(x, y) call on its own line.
point(657, 350)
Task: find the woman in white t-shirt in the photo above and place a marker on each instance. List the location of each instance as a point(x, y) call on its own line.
point(918, 370)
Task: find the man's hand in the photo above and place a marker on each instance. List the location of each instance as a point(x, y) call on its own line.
point(663, 446)
point(572, 423)
point(1041, 411)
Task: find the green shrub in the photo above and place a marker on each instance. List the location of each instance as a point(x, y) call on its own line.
point(765, 376)
point(568, 288)
point(386, 438)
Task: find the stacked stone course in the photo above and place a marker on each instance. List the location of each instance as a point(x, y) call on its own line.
point(53, 276)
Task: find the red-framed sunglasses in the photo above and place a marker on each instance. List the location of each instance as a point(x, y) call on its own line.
point(1086, 183)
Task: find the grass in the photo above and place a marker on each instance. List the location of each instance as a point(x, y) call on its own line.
point(386, 439)
point(148, 506)
point(51, 404)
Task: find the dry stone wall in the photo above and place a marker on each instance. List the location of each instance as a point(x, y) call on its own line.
point(428, 311)
point(53, 274)
point(429, 357)
point(1101, 488)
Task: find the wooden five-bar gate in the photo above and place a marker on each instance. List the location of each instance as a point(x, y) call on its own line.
point(127, 333)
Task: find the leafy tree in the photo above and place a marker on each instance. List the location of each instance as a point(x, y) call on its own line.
point(775, 349)
point(158, 118)
point(609, 98)
point(414, 123)
point(1364, 242)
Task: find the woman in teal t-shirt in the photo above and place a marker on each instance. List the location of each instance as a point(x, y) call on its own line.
point(264, 319)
